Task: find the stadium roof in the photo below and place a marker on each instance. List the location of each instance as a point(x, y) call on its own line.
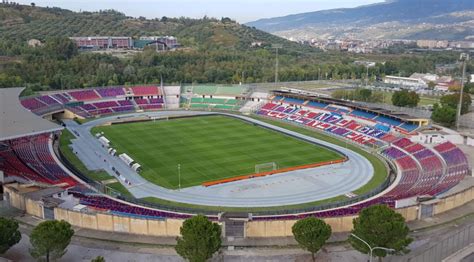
point(16, 121)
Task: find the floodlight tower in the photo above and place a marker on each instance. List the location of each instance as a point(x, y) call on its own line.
point(463, 58)
point(276, 47)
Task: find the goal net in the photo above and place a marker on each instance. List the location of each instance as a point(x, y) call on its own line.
point(265, 167)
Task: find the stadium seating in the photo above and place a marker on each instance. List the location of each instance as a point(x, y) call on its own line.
point(104, 203)
point(293, 100)
point(62, 98)
point(30, 158)
point(145, 90)
point(333, 123)
point(84, 95)
point(32, 104)
point(106, 104)
point(215, 102)
point(317, 104)
point(363, 114)
point(422, 170)
point(110, 92)
point(48, 100)
point(388, 120)
point(408, 127)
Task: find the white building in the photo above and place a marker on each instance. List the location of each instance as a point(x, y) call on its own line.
point(406, 82)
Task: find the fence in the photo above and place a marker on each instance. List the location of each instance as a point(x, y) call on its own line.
point(443, 248)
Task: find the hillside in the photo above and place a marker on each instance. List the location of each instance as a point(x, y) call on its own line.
point(408, 19)
point(21, 22)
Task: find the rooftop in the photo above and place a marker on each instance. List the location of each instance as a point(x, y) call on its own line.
point(17, 121)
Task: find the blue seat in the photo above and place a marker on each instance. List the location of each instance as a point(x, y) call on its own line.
point(317, 104)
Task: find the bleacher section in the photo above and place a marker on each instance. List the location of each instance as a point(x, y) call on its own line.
point(111, 92)
point(333, 123)
point(31, 159)
point(381, 122)
point(144, 91)
point(213, 90)
point(216, 103)
point(422, 170)
point(99, 101)
point(115, 207)
point(85, 95)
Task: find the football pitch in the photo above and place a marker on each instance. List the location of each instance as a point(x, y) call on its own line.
point(207, 148)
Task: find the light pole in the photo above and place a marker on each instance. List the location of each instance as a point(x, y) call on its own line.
point(367, 75)
point(464, 58)
point(179, 176)
point(276, 46)
point(372, 248)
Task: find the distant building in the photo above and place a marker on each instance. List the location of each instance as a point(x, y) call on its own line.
point(365, 63)
point(462, 44)
point(103, 42)
point(431, 44)
point(405, 82)
point(425, 77)
point(256, 44)
point(170, 41)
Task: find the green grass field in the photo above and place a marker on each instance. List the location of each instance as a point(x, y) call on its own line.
point(207, 148)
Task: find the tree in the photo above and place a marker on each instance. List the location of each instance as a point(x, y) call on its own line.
point(311, 234)
point(365, 94)
point(431, 85)
point(405, 98)
point(452, 101)
point(62, 47)
point(380, 226)
point(98, 259)
point(49, 239)
point(9, 234)
point(444, 115)
point(200, 239)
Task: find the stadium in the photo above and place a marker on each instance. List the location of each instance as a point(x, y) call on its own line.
point(141, 159)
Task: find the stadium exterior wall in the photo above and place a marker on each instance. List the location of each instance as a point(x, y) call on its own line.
point(170, 227)
point(282, 228)
point(453, 201)
point(123, 224)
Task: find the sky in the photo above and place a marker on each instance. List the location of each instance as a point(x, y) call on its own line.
point(242, 10)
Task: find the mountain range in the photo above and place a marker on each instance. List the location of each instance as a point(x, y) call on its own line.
point(394, 19)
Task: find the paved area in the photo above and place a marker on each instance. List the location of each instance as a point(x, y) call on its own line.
point(289, 188)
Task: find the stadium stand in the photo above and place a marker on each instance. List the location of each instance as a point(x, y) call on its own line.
point(30, 158)
point(423, 171)
point(110, 92)
point(84, 95)
point(145, 90)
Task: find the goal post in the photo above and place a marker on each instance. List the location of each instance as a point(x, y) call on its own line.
point(265, 167)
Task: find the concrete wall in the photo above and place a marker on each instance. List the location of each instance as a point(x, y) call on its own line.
point(409, 213)
point(453, 201)
point(437, 139)
point(34, 208)
point(170, 227)
point(107, 222)
point(470, 141)
point(16, 200)
point(282, 228)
